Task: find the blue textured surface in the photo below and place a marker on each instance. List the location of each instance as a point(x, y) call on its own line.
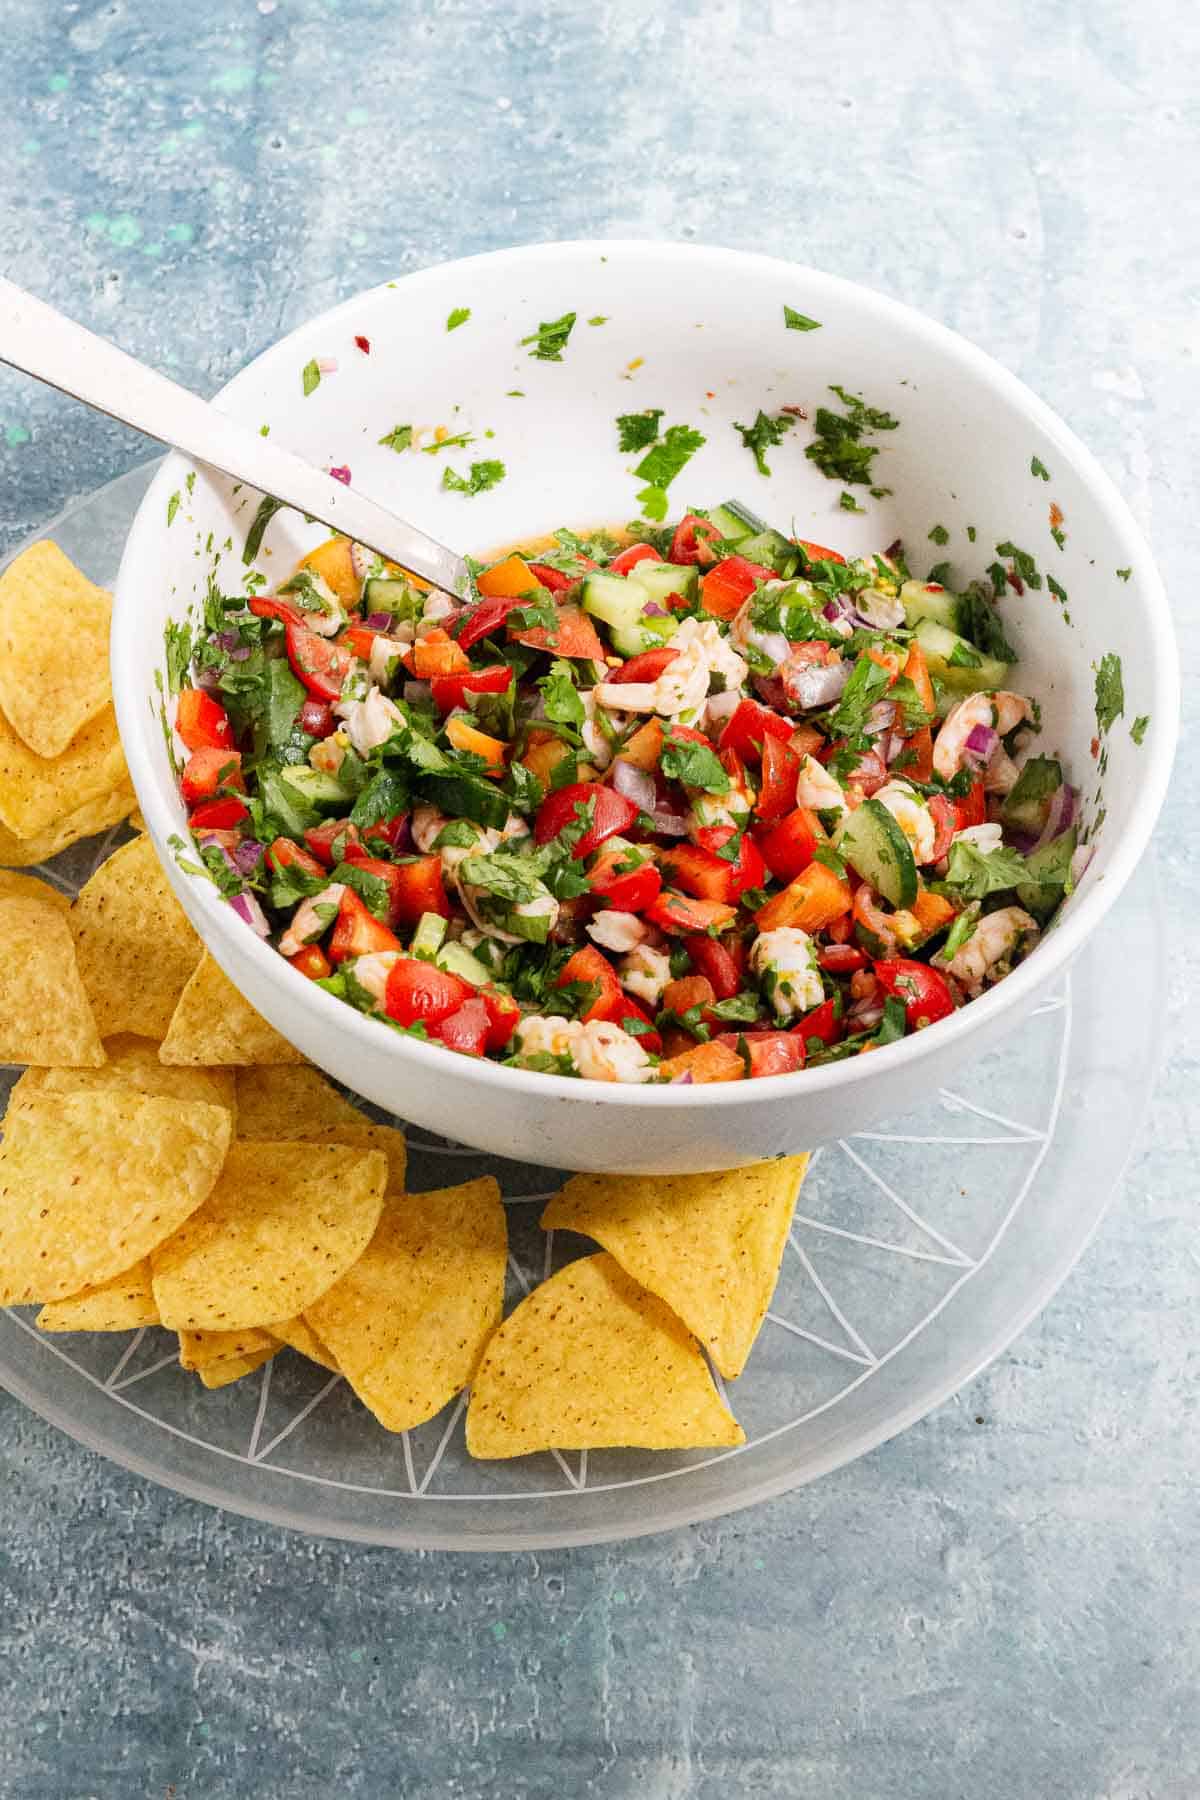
point(998, 1603)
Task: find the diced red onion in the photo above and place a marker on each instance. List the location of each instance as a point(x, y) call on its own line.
point(1061, 815)
point(381, 621)
point(342, 474)
point(402, 837)
point(895, 745)
point(669, 824)
point(880, 719)
point(247, 856)
point(247, 908)
point(864, 1015)
point(418, 693)
point(840, 607)
point(684, 1080)
point(209, 680)
point(1080, 861)
point(770, 691)
point(227, 640)
point(636, 785)
point(327, 365)
point(652, 610)
point(814, 684)
point(239, 653)
point(981, 745)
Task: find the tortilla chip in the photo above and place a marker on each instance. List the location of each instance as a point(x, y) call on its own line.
point(709, 1245)
point(201, 1349)
point(136, 949)
point(283, 1102)
point(84, 821)
point(37, 790)
point(214, 1023)
point(300, 1336)
point(121, 1304)
point(280, 1226)
point(408, 1323)
point(44, 1013)
point(232, 1368)
point(54, 628)
point(90, 1183)
point(28, 887)
point(134, 1066)
point(591, 1361)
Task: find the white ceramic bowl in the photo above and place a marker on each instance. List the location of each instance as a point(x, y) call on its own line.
point(700, 333)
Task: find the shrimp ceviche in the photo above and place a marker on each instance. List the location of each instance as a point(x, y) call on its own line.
point(691, 804)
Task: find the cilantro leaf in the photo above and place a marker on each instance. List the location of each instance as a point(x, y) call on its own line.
point(267, 508)
point(798, 321)
point(1137, 730)
point(662, 464)
point(653, 502)
point(562, 700)
point(1023, 562)
point(458, 442)
point(1123, 574)
point(837, 450)
point(974, 873)
point(867, 684)
point(1056, 588)
point(636, 431)
point(848, 503)
point(483, 475)
point(695, 765)
point(1110, 691)
point(1038, 467)
point(764, 433)
point(939, 535)
point(979, 621)
point(550, 339)
point(310, 377)
point(458, 317)
point(599, 319)
point(173, 505)
point(177, 641)
point(398, 438)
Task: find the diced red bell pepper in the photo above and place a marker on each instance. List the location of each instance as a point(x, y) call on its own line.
point(630, 557)
point(613, 812)
point(555, 579)
point(924, 991)
point(358, 932)
point(208, 772)
point(693, 542)
point(823, 1023)
point(312, 962)
point(267, 606)
point(450, 691)
point(842, 959)
point(330, 841)
point(818, 552)
point(723, 964)
point(390, 875)
point(646, 666)
point(360, 640)
point(972, 808)
point(770, 1052)
point(724, 589)
point(222, 814)
point(749, 871)
point(419, 992)
point(591, 965)
point(625, 889)
point(202, 722)
point(573, 635)
point(284, 853)
point(488, 616)
point(316, 718)
point(319, 663)
point(631, 1018)
point(685, 914)
point(780, 769)
point(466, 1029)
point(787, 848)
point(504, 1015)
point(749, 724)
point(417, 888)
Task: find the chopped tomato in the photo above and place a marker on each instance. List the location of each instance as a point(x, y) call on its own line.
point(630, 557)
point(504, 1015)
point(312, 961)
point(693, 542)
point(842, 959)
point(925, 993)
point(202, 722)
point(749, 724)
point(266, 606)
point(358, 932)
point(437, 654)
point(590, 965)
point(944, 814)
point(644, 748)
point(915, 761)
point(222, 814)
point(420, 993)
point(625, 888)
point(573, 635)
point(818, 552)
point(780, 769)
point(360, 640)
point(285, 853)
point(485, 618)
point(208, 772)
point(770, 1052)
point(972, 808)
point(731, 582)
point(612, 812)
point(869, 772)
point(316, 718)
point(630, 1017)
point(321, 665)
point(450, 691)
point(813, 900)
point(466, 1029)
point(722, 964)
point(706, 1063)
point(646, 666)
point(787, 849)
point(393, 832)
point(391, 875)
point(686, 991)
point(822, 1023)
point(686, 914)
point(332, 841)
point(417, 888)
point(699, 870)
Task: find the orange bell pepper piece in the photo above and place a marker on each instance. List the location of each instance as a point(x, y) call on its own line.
point(932, 911)
point(644, 747)
point(465, 736)
point(504, 579)
point(438, 654)
point(707, 1062)
point(333, 562)
point(813, 900)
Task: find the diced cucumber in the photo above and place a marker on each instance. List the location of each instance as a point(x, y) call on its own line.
point(1024, 807)
point(286, 804)
point(875, 847)
point(735, 521)
point(1049, 870)
point(923, 601)
point(313, 787)
point(773, 549)
point(664, 578)
point(957, 664)
point(393, 595)
point(456, 959)
point(429, 936)
point(618, 600)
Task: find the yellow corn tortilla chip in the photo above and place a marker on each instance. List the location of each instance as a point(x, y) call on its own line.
point(214, 1023)
point(281, 1225)
point(408, 1323)
point(232, 1368)
point(591, 1361)
point(37, 790)
point(84, 821)
point(290, 1102)
point(136, 948)
point(709, 1245)
point(133, 1065)
point(121, 1304)
point(90, 1183)
point(200, 1349)
point(44, 1013)
point(300, 1336)
point(28, 887)
point(54, 627)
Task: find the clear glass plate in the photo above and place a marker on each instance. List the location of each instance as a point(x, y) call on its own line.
point(919, 1250)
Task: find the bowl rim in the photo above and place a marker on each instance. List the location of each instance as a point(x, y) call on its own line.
point(1011, 995)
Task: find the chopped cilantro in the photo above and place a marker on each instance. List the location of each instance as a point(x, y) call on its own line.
point(483, 475)
point(961, 931)
point(1023, 562)
point(598, 319)
point(550, 339)
point(562, 700)
point(178, 642)
point(867, 684)
point(1059, 592)
point(514, 393)
point(974, 873)
point(267, 508)
point(837, 449)
point(398, 438)
point(848, 503)
point(1110, 691)
point(659, 467)
point(1038, 467)
point(173, 505)
point(999, 579)
point(637, 431)
point(653, 502)
point(1124, 574)
point(764, 433)
point(1060, 538)
point(458, 442)
point(1137, 730)
point(939, 535)
point(826, 854)
point(894, 1023)
point(964, 657)
point(798, 321)
point(310, 377)
point(695, 765)
point(971, 534)
point(458, 317)
point(940, 573)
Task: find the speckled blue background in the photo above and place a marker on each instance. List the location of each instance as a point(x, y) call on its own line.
point(1002, 1603)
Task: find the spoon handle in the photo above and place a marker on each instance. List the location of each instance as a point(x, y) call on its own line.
point(41, 341)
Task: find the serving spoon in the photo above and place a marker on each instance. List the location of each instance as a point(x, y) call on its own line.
point(41, 341)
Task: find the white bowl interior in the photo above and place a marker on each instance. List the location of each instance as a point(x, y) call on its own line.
point(700, 334)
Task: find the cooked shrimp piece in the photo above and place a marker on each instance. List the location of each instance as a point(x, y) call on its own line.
point(991, 949)
point(1000, 711)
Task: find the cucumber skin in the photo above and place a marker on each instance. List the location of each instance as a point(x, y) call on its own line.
point(617, 601)
point(920, 602)
point(873, 837)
